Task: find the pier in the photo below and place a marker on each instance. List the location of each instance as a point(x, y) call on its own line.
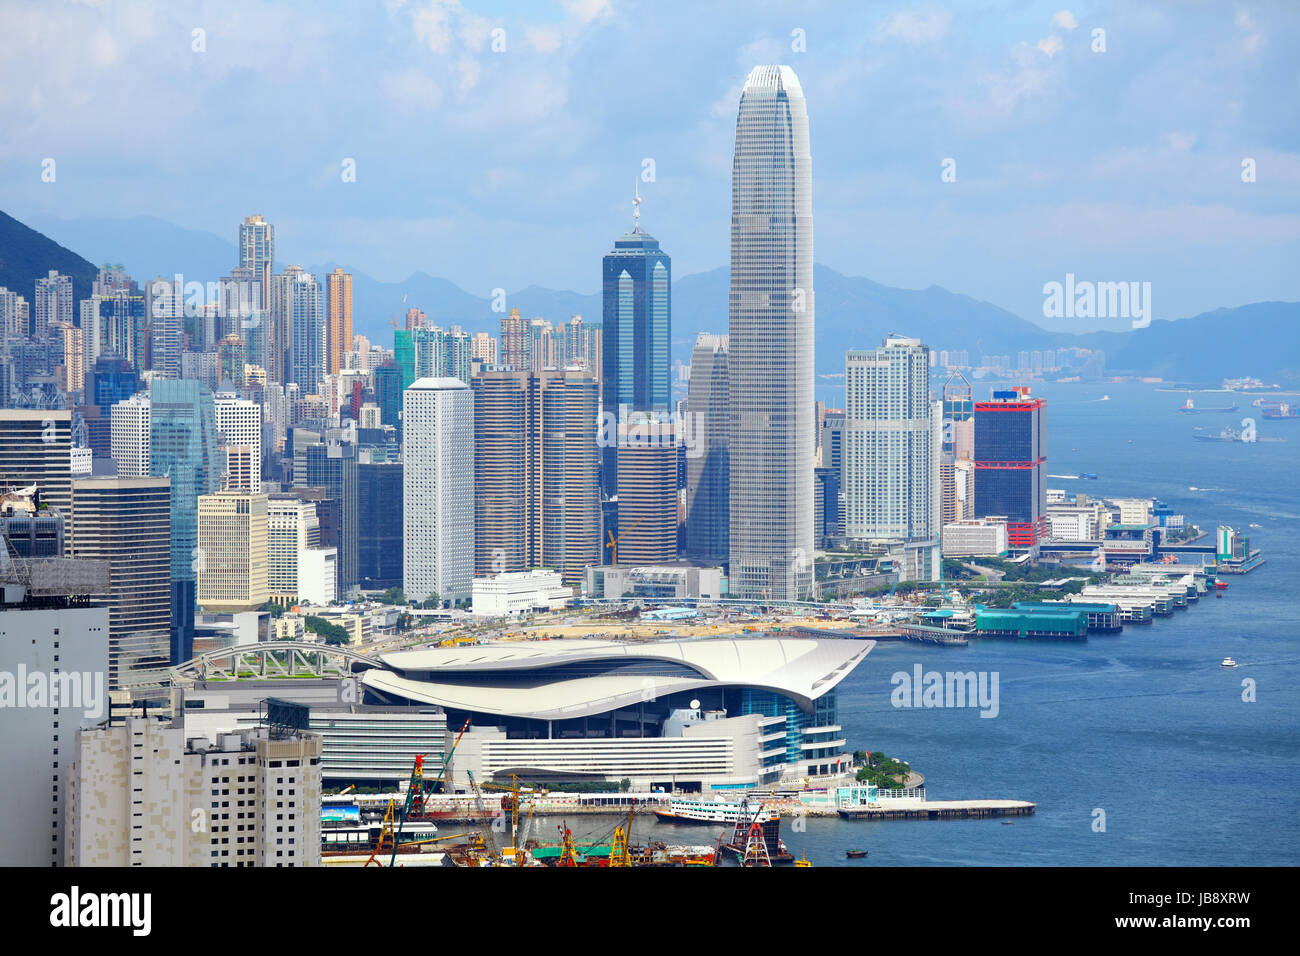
point(921, 809)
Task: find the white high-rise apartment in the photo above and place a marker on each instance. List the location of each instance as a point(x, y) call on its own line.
point(889, 463)
point(53, 302)
point(770, 368)
point(257, 253)
point(239, 425)
point(438, 489)
point(129, 430)
point(165, 305)
point(142, 794)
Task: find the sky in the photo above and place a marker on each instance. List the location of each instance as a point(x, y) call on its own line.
point(498, 144)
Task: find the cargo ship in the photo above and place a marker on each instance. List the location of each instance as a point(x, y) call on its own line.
point(1189, 408)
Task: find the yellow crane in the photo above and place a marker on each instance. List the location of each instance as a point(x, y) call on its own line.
point(613, 541)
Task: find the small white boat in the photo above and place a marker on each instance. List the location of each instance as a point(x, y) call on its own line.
point(1228, 662)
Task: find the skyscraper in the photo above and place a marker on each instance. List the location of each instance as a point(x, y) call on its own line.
point(257, 253)
point(888, 454)
point(53, 302)
point(1011, 464)
point(770, 368)
point(636, 292)
point(438, 490)
point(536, 501)
point(307, 336)
point(332, 466)
point(647, 490)
point(124, 522)
point(338, 309)
point(706, 435)
point(36, 449)
point(183, 447)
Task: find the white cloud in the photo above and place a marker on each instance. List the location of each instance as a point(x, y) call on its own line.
point(1051, 45)
point(544, 39)
point(1181, 141)
point(915, 26)
point(584, 11)
point(1064, 20)
point(1252, 38)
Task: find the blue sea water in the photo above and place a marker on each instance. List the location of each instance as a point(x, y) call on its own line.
point(1143, 725)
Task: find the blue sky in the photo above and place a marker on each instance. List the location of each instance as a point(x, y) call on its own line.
point(513, 167)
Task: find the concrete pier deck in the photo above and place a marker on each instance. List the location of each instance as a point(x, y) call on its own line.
point(918, 809)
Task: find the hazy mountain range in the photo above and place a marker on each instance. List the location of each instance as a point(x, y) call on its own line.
point(852, 312)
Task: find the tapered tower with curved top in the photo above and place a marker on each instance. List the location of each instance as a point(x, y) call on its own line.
point(770, 368)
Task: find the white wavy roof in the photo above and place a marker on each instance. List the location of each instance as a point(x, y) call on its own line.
point(800, 668)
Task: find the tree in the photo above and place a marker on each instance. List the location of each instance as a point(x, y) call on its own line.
point(393, 595)
point(331, 633)
point(431, 602)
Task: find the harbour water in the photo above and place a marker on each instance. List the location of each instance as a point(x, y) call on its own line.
point(1145, 725)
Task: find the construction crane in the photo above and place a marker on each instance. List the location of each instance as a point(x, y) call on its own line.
point(620, 854)
point(489, 843)
point(613, 541)
point(386, 836)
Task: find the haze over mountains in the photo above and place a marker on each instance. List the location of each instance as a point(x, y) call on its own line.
point(852, 312)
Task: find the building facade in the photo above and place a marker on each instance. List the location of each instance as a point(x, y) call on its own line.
point(438, 490)
point(770, 365)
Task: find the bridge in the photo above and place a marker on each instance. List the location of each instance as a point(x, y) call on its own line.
point(271, 660)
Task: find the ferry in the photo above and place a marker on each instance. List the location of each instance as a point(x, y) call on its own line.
point(1189, 408)
point(709, 811)
point(1228, 662)
point(340, 840)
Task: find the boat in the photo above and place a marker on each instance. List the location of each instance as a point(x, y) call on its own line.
point(1221, 585)
point(1188, 408)
point(855, 854)
point(707, 811)
point(1089, 476)
point(1228, 434)
point(1228, 662)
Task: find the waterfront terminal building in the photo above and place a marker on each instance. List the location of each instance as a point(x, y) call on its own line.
point(694, 716)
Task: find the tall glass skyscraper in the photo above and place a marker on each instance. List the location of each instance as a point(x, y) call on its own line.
point(637, 322)
point(707, 469)
point(183, 447)
point(770, 367)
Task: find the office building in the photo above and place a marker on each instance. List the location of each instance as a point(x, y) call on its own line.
point(36, 449)
point(647, 491)
point(125, 523)
point(130, 430)
point(1011, 464)
point(636, 330)
point(332, 467)
point(232, 573)
point(438, 490)
point(113, 379)
point(770, 362)
point(239, 427)
point(705, 436)
point(183, 447)
point(379, 525)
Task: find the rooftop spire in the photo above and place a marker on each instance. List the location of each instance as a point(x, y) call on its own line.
point(636, 206)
